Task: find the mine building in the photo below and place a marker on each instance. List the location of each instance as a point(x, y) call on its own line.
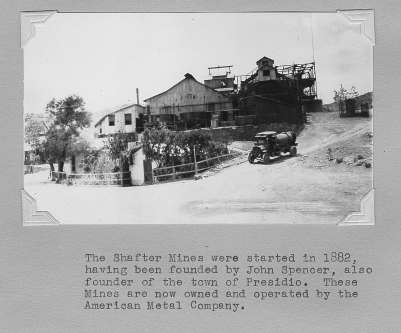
point(268, 94)
point(274, 94)
point(190, 104)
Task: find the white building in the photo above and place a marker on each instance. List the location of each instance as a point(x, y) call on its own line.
point(121, 118)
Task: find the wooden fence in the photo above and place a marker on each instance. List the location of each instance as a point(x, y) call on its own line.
point(117, 178)
point(190, 169)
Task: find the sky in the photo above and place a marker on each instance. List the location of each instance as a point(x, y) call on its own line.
point(104, 57)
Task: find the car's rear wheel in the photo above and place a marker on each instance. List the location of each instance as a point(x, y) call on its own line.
point(251, 158)
point(266, 158)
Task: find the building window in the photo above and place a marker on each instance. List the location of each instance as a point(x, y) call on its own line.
point(128, 119)
point(100, 131)
point(211, 107)
point(266, 73)
point(111, 120)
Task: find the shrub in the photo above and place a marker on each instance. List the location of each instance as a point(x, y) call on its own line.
point(104, 164)
point(168, 148)
point(89, 160)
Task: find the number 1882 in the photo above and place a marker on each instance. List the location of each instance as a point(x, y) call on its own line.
point(337, 257)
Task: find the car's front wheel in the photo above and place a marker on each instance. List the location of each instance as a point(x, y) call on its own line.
point(266, 158)
point(251, 158)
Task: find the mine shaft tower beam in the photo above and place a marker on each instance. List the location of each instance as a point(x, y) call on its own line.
point(218, 67)
point(304, 73)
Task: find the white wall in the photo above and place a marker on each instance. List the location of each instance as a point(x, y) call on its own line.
point(266, 78)
point(119, 123)
point(137, 171)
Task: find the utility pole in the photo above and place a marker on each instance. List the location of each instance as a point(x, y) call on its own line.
point(174, 117)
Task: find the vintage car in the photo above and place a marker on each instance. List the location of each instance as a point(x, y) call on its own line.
point(269, 144)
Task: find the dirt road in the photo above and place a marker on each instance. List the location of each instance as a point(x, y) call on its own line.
point(304, 189)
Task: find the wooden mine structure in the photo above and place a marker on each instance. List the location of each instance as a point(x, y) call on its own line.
point(279, 93)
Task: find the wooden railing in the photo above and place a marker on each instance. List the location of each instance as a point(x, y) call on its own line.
point(115, 178)
point(190, 169)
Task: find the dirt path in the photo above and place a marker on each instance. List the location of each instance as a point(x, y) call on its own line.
point(288, 190)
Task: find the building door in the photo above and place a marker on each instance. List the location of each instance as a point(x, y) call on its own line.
point(224, 115)
point(148, 172)
point(126, 174)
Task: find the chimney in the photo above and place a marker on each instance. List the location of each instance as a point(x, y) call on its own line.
point(137, 96)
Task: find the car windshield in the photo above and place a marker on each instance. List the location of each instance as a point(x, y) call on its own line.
point(260, 141)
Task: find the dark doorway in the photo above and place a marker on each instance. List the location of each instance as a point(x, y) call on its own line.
point(224, 115)
point(147, 169)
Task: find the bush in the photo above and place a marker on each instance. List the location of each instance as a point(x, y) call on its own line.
point(104, 164)
point(97, 161)
point(168, 148)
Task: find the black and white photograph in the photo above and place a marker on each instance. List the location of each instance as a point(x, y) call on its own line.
point(197, 118)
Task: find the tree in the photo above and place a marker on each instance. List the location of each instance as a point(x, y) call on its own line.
point(341, 95)
point(79, 145)
point(36, 125)
point(67, 117)
point(35, 128)
point(117, 147)
point(53, 144)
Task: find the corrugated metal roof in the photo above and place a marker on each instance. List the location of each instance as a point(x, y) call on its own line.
point(265, 58)
point(186, 78)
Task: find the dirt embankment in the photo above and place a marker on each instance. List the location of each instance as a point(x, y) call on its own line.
point(331, 142)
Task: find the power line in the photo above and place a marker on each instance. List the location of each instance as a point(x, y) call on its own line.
point(313, 49)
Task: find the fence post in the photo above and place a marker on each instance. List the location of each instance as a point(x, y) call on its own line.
point(196, 166)
point(174, 175)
